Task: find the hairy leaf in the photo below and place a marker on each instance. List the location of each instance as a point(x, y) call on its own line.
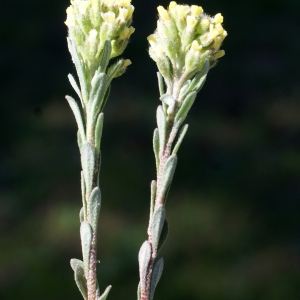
point(157, 224)
point(156, 274)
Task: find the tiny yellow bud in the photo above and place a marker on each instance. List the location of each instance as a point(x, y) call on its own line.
point(70, 22)
point(181, 11)
point(126, 33)
point(196, 10)
point(127, 62)
point(218, 18)
point(151, 39)
point(191, 22)
point(213, 34)
point(172, 5)
point(163, 13)
point(130, 9)
point(123, 3)
point(123, 12)
point(95, 4)
point(195, 46)
point(108, 17)
point(83, 7)
point(70, 10)
point(220, 53)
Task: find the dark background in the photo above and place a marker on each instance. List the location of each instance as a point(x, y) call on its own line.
point(234, 205)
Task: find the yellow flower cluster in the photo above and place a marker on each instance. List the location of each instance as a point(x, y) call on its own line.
point(92, 22)
point(184, 39)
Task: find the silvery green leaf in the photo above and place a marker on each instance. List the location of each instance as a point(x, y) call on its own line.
point(198, 80)
point(75, 87)
point(163, 235)
point(168, 173)
point(81, 215)
point(114, 69)
point(185, 107)
point(153, 196)
point(156, 147)
point(99, 87)
point(98, 131)
point(79, 277)
point(86, 235)
point(105, 98)
point(83, 195)
point(157, 224)
point(144, 259)
point(78, 117)
point(161, 124)
point(156, 274)
point(88, 165)
point(184, 88)
point(79, 68)
point(79, 140)
point(200, 83)
point(76, 262)
point(161, 85)
point(180, 138)
point(94, 205)
point(139, 292)
point(105, 56)
point(105, 294)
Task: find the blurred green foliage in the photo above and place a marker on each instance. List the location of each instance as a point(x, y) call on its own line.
point(234, 205)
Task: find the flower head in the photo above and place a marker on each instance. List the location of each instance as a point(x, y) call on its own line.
point(186, 37)
point(92, 22)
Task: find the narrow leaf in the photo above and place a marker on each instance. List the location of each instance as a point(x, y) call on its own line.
point(163, 235)
point(157, 224)
point(105, 56)
point(114, 69)
point(94, 205)
point(75, 87)
point(197, 81)
point(105, 294)
point(86, 239)
point(79, 68)
point(180, 138)
point(160, 84)
point(98, 131)
point(156, 148)
point(78, 117)
point(144, 259)
point(139, 292)
point(83, 191)
point(79, 277)
point(76, 262)
point(153, 196)
point(156, 275)
point(184, 89)
point(161, 124)
point(185, 107)
point(79, 140)
point(105, 98)
point(81, 215)
point(88, 165)
point(168, 173)
point(98, 92)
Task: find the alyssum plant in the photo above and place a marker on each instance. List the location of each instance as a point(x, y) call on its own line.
point(185, 45)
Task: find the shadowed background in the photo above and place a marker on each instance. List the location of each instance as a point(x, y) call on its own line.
point(233, 208)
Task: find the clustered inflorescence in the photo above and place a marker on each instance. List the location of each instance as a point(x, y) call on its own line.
point(92, 22)
point(184, 40)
